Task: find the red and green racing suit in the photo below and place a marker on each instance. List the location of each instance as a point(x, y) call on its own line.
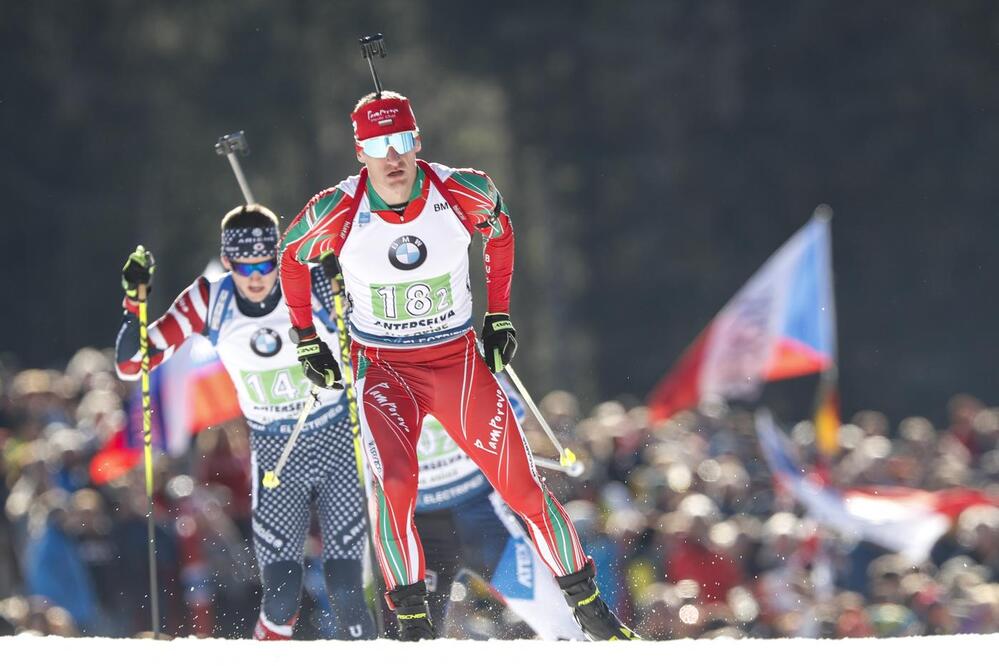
point(414, 350)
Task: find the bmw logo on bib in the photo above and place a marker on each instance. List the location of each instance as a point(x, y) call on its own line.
point(265, 342)
point(407, 253)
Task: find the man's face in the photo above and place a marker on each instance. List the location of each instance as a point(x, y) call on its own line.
point(395, 171)
point(258, 285)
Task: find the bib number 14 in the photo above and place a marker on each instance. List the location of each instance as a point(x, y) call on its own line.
point(276, 387)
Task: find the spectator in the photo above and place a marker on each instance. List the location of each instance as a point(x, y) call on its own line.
point(962, 411)
point(689, 535)
point(694, 556)
point(53, 567)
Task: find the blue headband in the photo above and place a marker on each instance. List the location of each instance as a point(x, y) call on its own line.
point(247, 243)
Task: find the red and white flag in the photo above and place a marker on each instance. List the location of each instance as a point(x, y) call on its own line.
point(906, 520)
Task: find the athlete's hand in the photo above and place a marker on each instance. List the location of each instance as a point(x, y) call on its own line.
point(138, 270)
point(318, 362)
point(499, 340)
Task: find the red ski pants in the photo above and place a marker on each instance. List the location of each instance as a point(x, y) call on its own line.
point(395, 390)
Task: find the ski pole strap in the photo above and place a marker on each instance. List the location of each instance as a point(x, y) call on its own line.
point(308, 349)
point(501, 324)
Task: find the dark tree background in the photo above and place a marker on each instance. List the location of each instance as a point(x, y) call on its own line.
point(653, 154)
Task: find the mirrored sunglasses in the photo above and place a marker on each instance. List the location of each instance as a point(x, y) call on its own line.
point(378, 146)
point(265, 267)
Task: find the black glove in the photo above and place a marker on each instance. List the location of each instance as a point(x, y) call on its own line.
point(499, 340)
point(138, 270)
point(317, 360)
point(331, 265)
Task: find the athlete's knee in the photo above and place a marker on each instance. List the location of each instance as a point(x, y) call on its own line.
point(282, 587)
point(399, 483)
point(344, 578)
point(526, 499)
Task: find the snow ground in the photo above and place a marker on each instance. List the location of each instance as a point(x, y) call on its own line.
point(192, 652)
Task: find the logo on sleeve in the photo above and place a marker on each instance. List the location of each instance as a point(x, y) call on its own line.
point(407, 253)
point(265, 342)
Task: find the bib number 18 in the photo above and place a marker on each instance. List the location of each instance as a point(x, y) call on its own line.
point(412, 300)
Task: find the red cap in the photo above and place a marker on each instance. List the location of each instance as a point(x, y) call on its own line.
point(379, 117)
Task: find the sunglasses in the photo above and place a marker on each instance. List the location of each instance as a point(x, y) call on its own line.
point(378, 146)
point(265, 267)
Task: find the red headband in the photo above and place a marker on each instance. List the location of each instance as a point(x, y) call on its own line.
point(379, 117)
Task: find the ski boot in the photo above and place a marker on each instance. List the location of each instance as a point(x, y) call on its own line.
point(591, 612)
point(410, 605)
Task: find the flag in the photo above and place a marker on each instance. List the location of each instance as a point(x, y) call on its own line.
point(908, 521)
point(204, 394)
point(188, 393)
point(781, 324)
point(209, 397)
point(115, 458)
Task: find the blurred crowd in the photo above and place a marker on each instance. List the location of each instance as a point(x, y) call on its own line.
point(73, 530)
point(693, 539)
point(690, 536)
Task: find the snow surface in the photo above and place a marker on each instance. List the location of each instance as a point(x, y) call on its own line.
point(937, 650)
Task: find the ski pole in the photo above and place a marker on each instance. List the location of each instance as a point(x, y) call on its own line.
point(335, 276)
point(147, 437)
point(566, 458)
point(272, 478)
point(229, 145)
point(340, 319)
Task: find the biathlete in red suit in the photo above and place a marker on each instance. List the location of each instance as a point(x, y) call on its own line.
point(401, 230)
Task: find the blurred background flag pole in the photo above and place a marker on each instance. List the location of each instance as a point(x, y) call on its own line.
point(147, 436)
point(827, 405)
point(827, 414)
